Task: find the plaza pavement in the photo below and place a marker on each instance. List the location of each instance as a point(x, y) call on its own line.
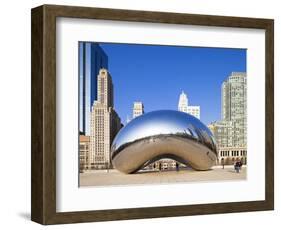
point(114, 177)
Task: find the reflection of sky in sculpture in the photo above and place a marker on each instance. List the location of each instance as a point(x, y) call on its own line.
point(163, 134)
point(162, 122)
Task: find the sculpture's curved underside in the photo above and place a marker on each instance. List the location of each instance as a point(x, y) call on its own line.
point(163, 134)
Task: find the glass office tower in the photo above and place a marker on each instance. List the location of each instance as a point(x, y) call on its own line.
point(91, 59)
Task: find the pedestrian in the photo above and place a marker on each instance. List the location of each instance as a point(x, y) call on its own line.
point(160, 166)
point(177, 166)
point(236, 166)
point(240, 165)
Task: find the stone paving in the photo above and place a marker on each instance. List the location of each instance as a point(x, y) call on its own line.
point(114, 177)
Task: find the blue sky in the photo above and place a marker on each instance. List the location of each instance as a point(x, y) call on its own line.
point(156, 75)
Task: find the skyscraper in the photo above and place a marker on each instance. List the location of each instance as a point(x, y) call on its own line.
point(91, 59)
point(234, 106)
point(105, 122)
point(184, 107)
point(183, 102)
point(138, 109)
point(231, 131)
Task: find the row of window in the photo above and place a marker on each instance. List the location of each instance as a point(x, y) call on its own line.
point(226, 153)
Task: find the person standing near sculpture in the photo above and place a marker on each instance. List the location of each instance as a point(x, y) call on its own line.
point(236, 166)
point(222, 162)
point(240, 165)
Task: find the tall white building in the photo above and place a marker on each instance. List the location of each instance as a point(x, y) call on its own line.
point(184, 107)
point(138, 109)
point(234, 106)
point(105, 122)
point(231, 131)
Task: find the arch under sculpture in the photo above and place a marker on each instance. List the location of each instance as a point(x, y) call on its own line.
point(163, 134)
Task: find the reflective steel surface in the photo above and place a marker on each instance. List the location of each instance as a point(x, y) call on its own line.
point(163, 134)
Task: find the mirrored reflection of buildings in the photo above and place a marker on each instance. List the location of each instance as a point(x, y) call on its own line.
point(99, 122)
point(183, 106)
point(105, 123)
point(164, 164)
point(231, 131)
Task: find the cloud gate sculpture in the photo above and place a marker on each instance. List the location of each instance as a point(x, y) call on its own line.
point(163, 134)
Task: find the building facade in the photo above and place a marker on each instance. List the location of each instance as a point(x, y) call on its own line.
point(84, 153)
point(105, 123)
point(229, 155)
point(231, 131)
point(138, 109)
point(184, 107)
point(91, 59)
point(223, 133)
point(234, 106)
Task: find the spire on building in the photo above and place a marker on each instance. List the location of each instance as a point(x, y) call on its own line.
point(183, 102)
point(105, 122)
point(184, 107)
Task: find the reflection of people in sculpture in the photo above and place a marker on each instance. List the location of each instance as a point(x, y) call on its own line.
point(177, 166)
point(150, 136)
